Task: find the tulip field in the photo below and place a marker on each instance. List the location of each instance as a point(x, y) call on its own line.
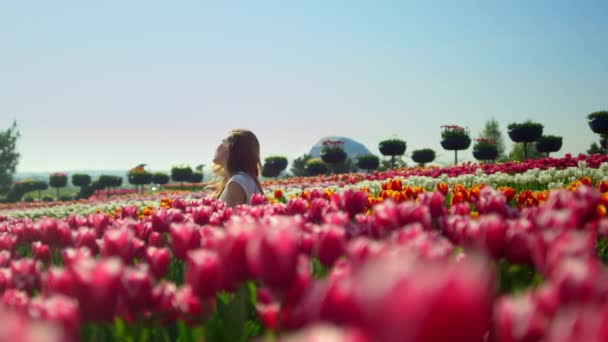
point(511, 252)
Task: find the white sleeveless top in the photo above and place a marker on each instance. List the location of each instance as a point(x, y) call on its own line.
point(246, 182)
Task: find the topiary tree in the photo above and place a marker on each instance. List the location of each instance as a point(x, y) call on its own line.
point(139, 177)
point(392, 148)
point(58, 180)
point(108, 181)
point(160, 178)
point(333, 153)
point(548, 144)
point(423, 156)
point(455, 138)
point(81, 180)
point(368, 162)
point(485, 149)
point(525, 132)
point(39, 186)
point(598, 122)
point(273, 166)
point(315, 167)
point(196, 177)
point(181, 174)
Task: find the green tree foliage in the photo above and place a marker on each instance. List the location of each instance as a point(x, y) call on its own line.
point(517, 153)
point(9, 158)
point(298, 166)
point(492, 131)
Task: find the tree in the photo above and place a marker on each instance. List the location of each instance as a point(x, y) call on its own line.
point(58, 180)
point(298, 166)
point(393, 148)
point(9, 158)
point(196, 177)
point(492, 131)
point(181, 174)
point(517, 153)
point(368, 162)
point(595, 148)
point(273, 166)
point(387, 164)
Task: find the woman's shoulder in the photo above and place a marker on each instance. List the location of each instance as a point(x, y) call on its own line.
point(245, 180)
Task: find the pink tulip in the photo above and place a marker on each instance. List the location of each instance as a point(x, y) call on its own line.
point(184, 237)
point(204, 272)
point(98, 284)
point(435, 201)
point(331, 244)
point(25, 274)
point(60, 310)
point(351, 201)
point(158, 260)
point(157, 239)
point(519, 319)
point(120, 243)
point(41, 251)
point(164, 301)
point(188, 304)
point(296, 206)
point(273, 255)
point(71, 255)
point(5, 258)
point(86, 237)
point(58, 281)
point(15, 299)
point(317, 211)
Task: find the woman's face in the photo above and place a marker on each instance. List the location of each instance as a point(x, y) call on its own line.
point(221, 154)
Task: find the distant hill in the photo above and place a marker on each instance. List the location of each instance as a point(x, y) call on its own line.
point(351, 147)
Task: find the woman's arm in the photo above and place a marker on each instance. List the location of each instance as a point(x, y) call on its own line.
point(233, 194)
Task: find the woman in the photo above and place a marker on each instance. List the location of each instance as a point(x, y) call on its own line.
point(237, 166)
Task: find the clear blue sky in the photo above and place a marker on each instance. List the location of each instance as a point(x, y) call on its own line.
point(110, 84)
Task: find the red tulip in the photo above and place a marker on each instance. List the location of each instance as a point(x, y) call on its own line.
point(86, 237)
point(158, 260)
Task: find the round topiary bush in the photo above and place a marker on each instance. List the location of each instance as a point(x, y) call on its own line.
point(423, 156)
point(368, 162)
point(139, 177)
point(181, 174)
point(525, 132)
point(549, 144)
point(315, 167)
point(160, 178)
point(333, 152)
point(598, 121)
point(455, 138)
point(393, 148)
point(485, 150)
point(81, 179)
point(58, 180)
point(273, 166)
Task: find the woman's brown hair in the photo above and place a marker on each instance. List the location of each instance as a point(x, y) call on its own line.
point(243, 156)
